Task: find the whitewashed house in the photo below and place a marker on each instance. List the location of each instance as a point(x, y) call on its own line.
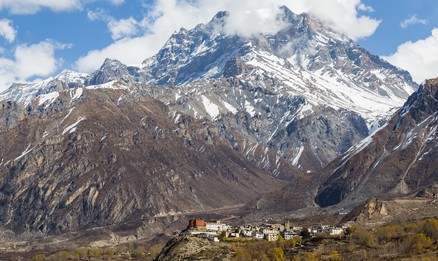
point(258, 235)
point(335, 231)
point(247, 233)
point(289, 235)
point(215, 226)
point(271, 236)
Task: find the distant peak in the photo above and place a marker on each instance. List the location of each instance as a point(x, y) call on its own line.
point(286, 9)
point(221, 15)
point(111, 63)
point(66, 71)
point(110, 60)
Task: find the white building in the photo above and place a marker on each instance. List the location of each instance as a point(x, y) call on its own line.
point(247, 233)
point(271, 236)
point(289, 235)
point(215, 226)
point(269, 231)
point(335, 231)
point(234, 234)
point(259, 235)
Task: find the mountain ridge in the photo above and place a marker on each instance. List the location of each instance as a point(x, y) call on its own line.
point(397, 160)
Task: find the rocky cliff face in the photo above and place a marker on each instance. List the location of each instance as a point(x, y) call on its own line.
point(399, 159)
point(367, 210)
point(95, 157)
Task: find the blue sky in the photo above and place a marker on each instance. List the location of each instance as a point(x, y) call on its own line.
point(39, 38)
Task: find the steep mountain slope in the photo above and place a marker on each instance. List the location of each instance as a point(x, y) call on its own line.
point(102, 155)
point(399, 159)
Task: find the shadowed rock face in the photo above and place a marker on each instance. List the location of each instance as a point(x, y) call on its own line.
point(398, 160)
point(108, 157)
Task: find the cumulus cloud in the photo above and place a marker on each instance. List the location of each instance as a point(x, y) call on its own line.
point(29, 61)
point(343, 17)
point(130, 51)
point(246, 17)
point(118, 28)
point(420, 58)
point(7, 30)
point(412, 21)
point(365, 8)
point(34, 6)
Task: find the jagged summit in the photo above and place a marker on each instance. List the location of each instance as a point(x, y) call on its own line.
point(24, 93)
point(74, 79)
point(303, 58)
point(424, 102)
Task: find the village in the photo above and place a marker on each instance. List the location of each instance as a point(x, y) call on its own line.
point(216, 231)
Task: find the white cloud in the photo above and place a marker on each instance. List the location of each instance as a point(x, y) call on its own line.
point(129, 51)
point(34, 6)
point(117, 2)
point(122, 28)
point(412, 21)
point(97, 15)
point(365, 8)
point(7, 30)
point(342, 16)
point(29, 61)
point(246, 17)
point(118, 28)
point(420, 58)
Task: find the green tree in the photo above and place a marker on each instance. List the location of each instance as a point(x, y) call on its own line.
point(138, 252)
point(242, 255)
point(276, 254)
point(430, 228)
point(419, 243)
point(291, 243)
point(363, 237)
point(80, 253)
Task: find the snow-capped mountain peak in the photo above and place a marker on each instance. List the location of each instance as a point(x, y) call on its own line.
point(304, 58)
point(24, 93)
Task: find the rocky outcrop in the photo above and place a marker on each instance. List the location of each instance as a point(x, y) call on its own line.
point(234, 67)
point(193, 248)
point(430, 192)
point(367, 210)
